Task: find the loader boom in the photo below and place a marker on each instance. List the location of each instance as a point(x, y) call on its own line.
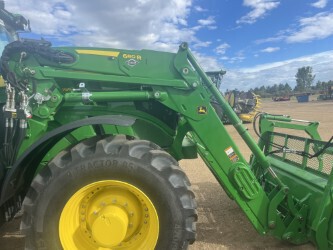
point(57, 98)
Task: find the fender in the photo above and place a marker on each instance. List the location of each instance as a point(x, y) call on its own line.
point(22, 172)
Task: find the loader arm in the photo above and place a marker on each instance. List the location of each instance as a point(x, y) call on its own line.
point(169, 98)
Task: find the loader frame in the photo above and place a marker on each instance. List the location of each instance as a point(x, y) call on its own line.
point(165, 98)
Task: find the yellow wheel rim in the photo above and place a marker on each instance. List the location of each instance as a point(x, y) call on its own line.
point(109, 215)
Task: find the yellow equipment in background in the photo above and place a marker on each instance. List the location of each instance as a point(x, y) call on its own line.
point(245, 104)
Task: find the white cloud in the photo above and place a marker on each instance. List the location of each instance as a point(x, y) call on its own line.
point(199, 9)
point(260, 9)
point(310, 28)
point(221, 49)
point(316, 27)
point(207, 22)
point(131, 24)
point(271, 39)
point(279, 72)
point(239, 57)
point(270, 49)
point(236, 59)
point(320, 4)
point(208, 63)
point(202, 44)
point(212, 27)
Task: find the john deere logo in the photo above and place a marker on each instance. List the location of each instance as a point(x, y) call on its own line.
point(202, 110)
point(132, 62)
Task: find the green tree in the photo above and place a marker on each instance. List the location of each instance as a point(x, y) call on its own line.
point(304, 79)
point(287, 88)
point(319, 85)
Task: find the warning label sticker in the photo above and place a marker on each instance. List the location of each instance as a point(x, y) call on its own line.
point(231, 154)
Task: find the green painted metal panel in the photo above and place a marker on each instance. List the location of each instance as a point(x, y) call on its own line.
point(169, 97)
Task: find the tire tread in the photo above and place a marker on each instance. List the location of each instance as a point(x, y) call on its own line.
point(144, 151)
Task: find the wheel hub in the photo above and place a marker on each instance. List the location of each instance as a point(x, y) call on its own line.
point(109, 214)
point(109, 228)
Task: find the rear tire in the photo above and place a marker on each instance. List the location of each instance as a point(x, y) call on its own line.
point(133, 184)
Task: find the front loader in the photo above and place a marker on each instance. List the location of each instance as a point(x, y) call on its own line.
point(91, 139)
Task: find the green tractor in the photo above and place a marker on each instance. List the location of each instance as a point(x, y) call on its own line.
point(90, 144)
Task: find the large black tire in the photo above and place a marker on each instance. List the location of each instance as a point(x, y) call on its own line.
point(139, 163)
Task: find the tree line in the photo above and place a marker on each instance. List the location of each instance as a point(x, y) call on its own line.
point(304, 84)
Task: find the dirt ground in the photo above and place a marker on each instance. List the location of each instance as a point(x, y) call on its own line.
point(221, 224)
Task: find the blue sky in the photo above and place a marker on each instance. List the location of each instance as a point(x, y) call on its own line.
point(258, 42)
point(281, 30)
